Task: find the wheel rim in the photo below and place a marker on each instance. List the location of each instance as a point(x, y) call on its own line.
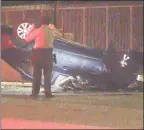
point(23, 29)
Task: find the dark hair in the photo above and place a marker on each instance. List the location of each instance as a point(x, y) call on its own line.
point(46, 20)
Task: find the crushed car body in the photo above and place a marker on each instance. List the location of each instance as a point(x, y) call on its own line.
point(75, 65)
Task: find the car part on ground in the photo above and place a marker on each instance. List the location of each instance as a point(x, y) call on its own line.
point(23, 29)
point(138, 83)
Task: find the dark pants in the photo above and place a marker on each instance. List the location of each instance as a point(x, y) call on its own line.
point(42, 60)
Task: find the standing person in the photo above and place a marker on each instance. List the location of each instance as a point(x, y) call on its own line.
point(43, 54)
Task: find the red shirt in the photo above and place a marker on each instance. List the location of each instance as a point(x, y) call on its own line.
point(43, 36)
point(6, 42)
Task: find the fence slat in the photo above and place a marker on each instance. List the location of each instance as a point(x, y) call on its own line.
point(137, 28)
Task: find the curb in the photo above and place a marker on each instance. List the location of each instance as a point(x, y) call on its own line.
point(20, 84)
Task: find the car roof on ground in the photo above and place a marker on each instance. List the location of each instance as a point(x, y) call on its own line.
point(6, 25)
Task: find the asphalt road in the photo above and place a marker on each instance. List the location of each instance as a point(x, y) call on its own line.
point(18, 90)
point(119, 110)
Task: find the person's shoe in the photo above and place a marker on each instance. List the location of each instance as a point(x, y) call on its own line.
point(33, 96)
point(49, 96)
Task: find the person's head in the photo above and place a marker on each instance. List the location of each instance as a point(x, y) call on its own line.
point(46, 20)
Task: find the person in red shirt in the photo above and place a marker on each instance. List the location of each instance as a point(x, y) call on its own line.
point(42, 54)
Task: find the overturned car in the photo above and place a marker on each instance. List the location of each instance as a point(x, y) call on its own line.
point(75, 66)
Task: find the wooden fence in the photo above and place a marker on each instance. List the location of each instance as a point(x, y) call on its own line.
point(92, 25)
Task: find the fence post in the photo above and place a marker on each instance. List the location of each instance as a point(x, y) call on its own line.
point(41, 10)
point(23, 15)
point(107, 22)
point(84, 27)
point(55, 13)
point(6, 17)
point(131, 28)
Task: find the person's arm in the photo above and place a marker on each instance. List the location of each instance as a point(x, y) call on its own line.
point(11, 44)
point(57, 34)
point(31, 34)
point(6, 42)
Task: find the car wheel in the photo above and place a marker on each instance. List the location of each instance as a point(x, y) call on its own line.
point(22, 29)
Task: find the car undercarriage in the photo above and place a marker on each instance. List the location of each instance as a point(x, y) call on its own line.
point(76, 67)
